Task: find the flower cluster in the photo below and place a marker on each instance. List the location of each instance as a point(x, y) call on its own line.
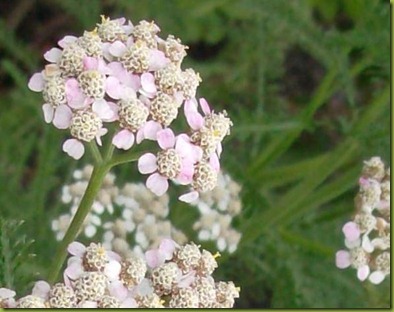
point(72, 195)
point(126, 75)
point(142, 216)
point(170, 276)
point(217, 209)
point(367, 236)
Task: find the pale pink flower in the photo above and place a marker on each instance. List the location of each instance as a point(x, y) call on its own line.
point(175, 161)
point(165, 251)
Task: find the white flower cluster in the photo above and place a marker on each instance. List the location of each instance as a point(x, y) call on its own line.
point(142, 215)
point(367, 236)
point(171, 276)
point(217, 209)
point(72, 195)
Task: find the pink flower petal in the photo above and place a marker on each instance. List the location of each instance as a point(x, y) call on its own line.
point(351, 231)
point(366, 244)
point(48, 111)
point(103, 109)
point(205, 106)
point(36, 82)
point(90, 63)
point(214, 162)
point(74, 270)
point(188, 150)
point(118, 290)
point(53, 55)
point(128, 303)
point(157, 184)
point(363, 272)
point(342, 259)
point(147, 163)
point(124, 139)
point(75, 96)
point(167, 248)
point(74, 148)
point(154, 258)
point(66, 40)
point(189, 197)
point(148, 83)
point(376, 277)
point(62, 117)
point(187, 279)
point(166, 138)
point(76, 249)
point(117, 48)
point(140, 135)
point(187, 171)
point(157, 60)
point(41, 289)
point(6, 293)
point(113, 88)
point(150, 130)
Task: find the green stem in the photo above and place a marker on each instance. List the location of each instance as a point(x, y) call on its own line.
point(95, 152)
point(85, 205)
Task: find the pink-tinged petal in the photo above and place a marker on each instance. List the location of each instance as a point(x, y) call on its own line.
point(76, 249)
point(363, 272)
point(154, 258)
point(187, 279)
point(118, 290)
point(48, 111)
point(189, 197)
point(195, 121)
point(376, 277)
point(351, 231)
point(116, 69)
point(214, 162)
point(100, 133)
point(188, 150)
point(166, 138)
point(113, 255)
point(62, 117)
point(147, 163)
point(148, 83)
point(103, 109)
point(112, 270)
point(74, 148)
point(167, 248)
point(363, 182)
point(113, 88)
point(53, 55)
point(124, 139)
point(36, 82)
point(150, 130)
point(185, 177)
point(128, 303)
point(41, 289)
point(90, 63)
point(66, 40)
point(205, 106)
point(219, 149)
point(190, 106)
point(352, 244)
point(66, 279)
point(342, 259)
point(117, 48)
point(75, 96)
point(140, 135)
point(157, 60)
point(179, 98)
point(74, 270)
point(157, 184)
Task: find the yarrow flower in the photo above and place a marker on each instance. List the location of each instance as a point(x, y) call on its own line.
point(124, 79)
point(171, 276)
point(367, 236)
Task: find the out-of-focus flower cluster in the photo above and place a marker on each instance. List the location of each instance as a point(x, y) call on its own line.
point(217, 209)
point(127, 76)
point(367, 236)
point(132, 213)
point(171, 276)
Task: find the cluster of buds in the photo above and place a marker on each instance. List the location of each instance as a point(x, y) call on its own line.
point(367, 236)
point(170, 276)
point(127, 76)
point(217, 209)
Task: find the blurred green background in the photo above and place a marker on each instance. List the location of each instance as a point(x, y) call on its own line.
point(306, 83)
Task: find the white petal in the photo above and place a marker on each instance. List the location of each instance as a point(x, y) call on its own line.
point(76, 249)
point(53, 55)
point(157, 184)
point(189, 197)
point(41, 289)
point(376, 277)
point(124, 139)
point(103, 109)
point(48, 112)
point(117, 48)
point(363, 272)
point(112, 270)
point(36, 82)
point(62, 117)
